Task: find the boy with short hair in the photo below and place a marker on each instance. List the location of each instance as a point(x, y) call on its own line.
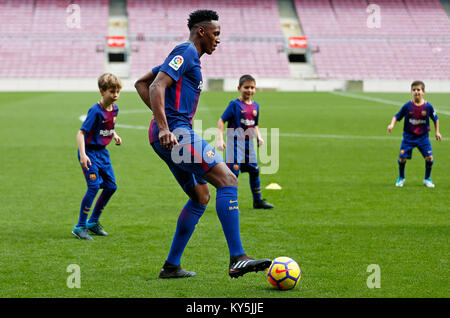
point(95, 134)
point(242, 115)
point(415, 132)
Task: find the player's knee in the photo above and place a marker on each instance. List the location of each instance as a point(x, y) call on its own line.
point(111, 188)
point(93, 188)
point(402, 160)
point(204, 198)
point(231, 179)
point(429, 158)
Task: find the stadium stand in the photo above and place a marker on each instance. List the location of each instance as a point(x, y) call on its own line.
point(252, 39)
point(36, 41)
point(412, 41)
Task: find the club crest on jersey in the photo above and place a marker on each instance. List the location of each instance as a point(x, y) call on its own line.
point(210, 154)
point(255, 112)
point(92, 176)
point(176, 62)
point(424, 112)
point(236, 167)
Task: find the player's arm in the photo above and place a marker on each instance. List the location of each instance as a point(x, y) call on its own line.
point(436, 127)
point(220, 142)
point(157, 100)
point(392, 124)
point(84, 159)
point(117, 139)
point(258, 136)
point(142, 86)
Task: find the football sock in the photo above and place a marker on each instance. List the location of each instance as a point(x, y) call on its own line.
point(228, 213)
point(86, 204)
point(428, 166)
point(101, 203)
point(401, 169)
point(255, 186)
point(187, 221)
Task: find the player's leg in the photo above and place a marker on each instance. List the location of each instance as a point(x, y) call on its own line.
point(228, 212)
point(109, 187)
point(427, 152)
point(405, 153)
point(255, 186)
point(93, 181)
point(198, 192)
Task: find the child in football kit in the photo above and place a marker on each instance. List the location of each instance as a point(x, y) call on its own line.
point(242, 115)
point(95, 134)
point(417, 113)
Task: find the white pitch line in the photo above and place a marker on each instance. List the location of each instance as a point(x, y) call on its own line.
point(380, 100)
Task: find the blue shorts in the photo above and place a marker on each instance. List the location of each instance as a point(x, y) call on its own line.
point(190, 159)
point(243, 167)
point(241, 155)
point(408, 144)
point(100, 171)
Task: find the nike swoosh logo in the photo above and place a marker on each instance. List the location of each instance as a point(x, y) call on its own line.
point(278, 271)
point(233, 201)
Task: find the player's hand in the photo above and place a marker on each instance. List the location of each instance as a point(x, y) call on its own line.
point(260, 142)
point(389, 128)
point(118, 140)
point(167, 139)
point(438, 136)
point(85, 162)
point(221, 145)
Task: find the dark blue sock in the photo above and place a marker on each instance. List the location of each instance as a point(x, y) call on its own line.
point(228, 213)
point(86, 204)
point(401, 169)
point(428, 166)
point(187, 221)
point(101, 203)
point(255, 186)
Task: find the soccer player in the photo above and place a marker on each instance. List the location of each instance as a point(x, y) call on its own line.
point(242, 115)
point(95, 134)
point(417, 113)
point(171, 90)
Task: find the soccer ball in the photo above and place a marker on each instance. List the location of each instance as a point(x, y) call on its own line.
point(284, 273)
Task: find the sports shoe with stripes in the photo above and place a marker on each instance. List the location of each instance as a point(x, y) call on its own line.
point(243, 264)
point(175, 272)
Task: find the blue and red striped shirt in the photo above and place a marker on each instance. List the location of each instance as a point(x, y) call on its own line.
point(99, 126)
point(417, 122)
point(181, 98)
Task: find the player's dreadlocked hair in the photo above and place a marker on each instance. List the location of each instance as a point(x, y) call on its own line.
point(201, 16)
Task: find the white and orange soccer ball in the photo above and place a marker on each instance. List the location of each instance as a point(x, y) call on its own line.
point(284, 273)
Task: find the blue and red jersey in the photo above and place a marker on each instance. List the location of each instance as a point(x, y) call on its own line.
point(99, 126)
point(181, 98)
point(417, 123)
point(239, 114)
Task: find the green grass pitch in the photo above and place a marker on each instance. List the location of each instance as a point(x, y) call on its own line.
point(337, 213)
